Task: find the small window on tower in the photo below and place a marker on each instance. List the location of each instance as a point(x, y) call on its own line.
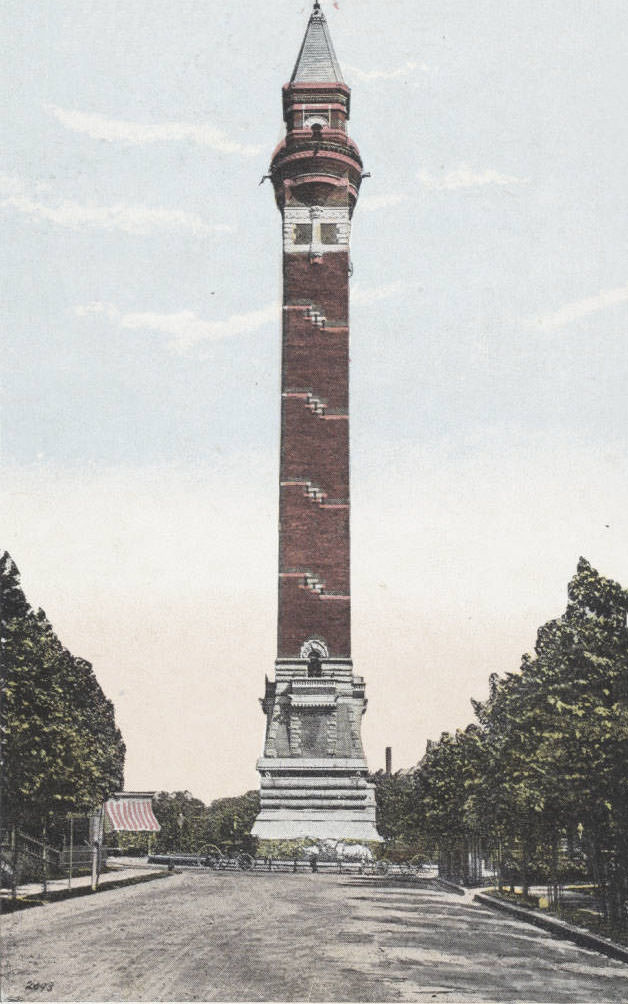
point(303, 233)
point(329, 233)
point(312, 120)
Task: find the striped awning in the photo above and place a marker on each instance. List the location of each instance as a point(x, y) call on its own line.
point(132, 814)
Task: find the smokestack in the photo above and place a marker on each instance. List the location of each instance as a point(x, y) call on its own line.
point(389, 759)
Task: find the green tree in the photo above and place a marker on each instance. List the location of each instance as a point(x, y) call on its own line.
point(230, 821)
point(445, 813)
point(397, 820)
point(183, 822)
point(556, 739)
point(541, 778)
point(62, 751)
point(188, 825)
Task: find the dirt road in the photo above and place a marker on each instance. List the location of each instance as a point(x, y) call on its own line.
point(250, 937)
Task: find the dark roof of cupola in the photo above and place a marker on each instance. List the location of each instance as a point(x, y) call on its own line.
point(317, 62)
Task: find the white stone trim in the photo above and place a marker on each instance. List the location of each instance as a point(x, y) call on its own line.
point(324, 764)
point(315, 215)
point(314, 645)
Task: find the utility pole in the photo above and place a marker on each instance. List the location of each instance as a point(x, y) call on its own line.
point(96, 823)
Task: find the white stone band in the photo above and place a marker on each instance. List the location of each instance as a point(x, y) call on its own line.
point(315, 216)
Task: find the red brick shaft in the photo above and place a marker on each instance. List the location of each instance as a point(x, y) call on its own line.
point(314, 531)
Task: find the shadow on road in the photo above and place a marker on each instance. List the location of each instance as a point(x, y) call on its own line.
point(390, 882)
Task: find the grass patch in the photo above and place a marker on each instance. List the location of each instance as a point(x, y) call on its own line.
point(517, 898)
point(577, 915)
point(590, 919)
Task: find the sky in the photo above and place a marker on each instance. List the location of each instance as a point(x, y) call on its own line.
point(141, 281)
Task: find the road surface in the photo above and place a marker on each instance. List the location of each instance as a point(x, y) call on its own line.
point(275, 937)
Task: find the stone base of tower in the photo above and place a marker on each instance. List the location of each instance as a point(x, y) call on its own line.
point(316, 798)
point(300, 825)
point(313, 770)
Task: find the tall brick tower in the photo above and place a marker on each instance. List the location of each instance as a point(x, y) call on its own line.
point(313, 769)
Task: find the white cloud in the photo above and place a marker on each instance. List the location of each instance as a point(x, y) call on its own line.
point(98, 307)
point(370, 203)
point(466, 177)
point(10, 186)
point(140, 133)
point(185, 328)
point(363, 295)
point(399, 71)
point(581, 308)
point(131, 219)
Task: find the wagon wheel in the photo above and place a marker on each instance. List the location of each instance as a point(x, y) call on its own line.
point(210, 856)
point(245, 862)
point(381, 867)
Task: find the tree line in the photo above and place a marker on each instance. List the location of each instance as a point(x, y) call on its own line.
point(189, 825)
point(61, 750)
point(538, 782)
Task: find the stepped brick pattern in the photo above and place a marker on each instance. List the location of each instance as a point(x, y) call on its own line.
point(313, 768)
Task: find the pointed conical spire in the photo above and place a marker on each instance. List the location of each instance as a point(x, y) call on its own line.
point(317, 62)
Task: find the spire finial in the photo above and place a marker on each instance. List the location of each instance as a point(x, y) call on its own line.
point(316, 62)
